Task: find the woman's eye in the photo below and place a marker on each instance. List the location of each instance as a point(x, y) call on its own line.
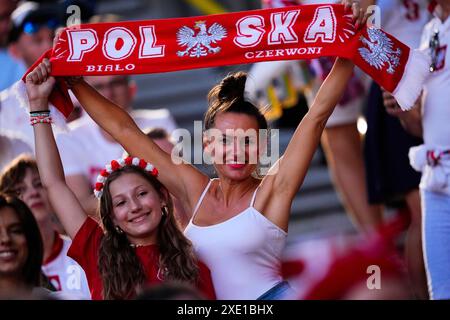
point(142, 193)
point(17, 230)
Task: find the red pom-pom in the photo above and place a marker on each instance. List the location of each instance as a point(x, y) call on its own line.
point(115, 165)
point(142, 163)
point(155, 172)
point(128, 161)
point(98, 186)
point(104, 173)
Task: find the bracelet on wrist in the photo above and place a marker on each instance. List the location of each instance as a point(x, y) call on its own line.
point(32, 113)
point(40, 119)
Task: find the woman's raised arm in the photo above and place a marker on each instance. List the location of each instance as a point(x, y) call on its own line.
point(287, 175)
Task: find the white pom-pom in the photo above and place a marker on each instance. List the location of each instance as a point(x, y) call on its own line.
point(101, 179)
point(121, 162)
point(149, 167)
point(108, 168)
point(135, 161)
point(98, 194)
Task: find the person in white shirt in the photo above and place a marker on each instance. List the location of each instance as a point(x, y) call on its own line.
point(11, 147)
point(430, 120)
point(21, 179)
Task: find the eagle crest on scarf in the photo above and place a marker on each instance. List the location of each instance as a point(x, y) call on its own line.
point(199, 44)
point(380, 50)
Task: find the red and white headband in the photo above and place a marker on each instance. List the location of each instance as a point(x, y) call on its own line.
point(119, 164)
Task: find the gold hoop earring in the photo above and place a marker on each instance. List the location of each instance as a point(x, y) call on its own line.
point(164, 211)
point(118, 230)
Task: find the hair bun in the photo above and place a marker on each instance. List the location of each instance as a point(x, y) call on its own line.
point(232, 87)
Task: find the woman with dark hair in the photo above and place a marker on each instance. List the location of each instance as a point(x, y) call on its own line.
point(238, 222)
point(20, 178)
point(21, 249)
point(139, 243)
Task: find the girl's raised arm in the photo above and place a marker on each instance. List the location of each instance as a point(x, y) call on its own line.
point(64, 202)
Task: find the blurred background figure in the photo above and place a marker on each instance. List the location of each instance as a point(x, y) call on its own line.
point(32, 31)
point(21, 179)
point(391, 181)
point(31, 34)
point(11, 69)
point(25, 34)
point(11, 147)
point(21, 250)
point(429, 119)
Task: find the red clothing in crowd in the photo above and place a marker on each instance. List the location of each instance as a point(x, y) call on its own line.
point(85, 248)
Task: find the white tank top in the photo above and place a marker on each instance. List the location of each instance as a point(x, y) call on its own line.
point(243, 253)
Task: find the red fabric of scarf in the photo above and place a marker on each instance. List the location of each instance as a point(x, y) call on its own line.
point(291, 33)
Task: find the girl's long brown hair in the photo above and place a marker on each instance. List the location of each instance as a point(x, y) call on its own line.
point(121, 270)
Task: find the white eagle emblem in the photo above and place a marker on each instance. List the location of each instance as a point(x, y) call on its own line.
point(199, 44)
point(380, 50)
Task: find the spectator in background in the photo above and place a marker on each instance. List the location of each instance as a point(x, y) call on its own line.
point(430, 121)
point(390, 178)
point(12, 70)
point(21, 250)
point(11, 147)
point(21, 178)
point(86, 148)
point(31, 34)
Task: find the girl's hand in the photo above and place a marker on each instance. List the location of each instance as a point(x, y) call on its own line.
point(359, 16)
point(39, 85)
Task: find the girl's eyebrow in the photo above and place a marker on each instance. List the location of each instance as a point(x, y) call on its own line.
point(134, 189)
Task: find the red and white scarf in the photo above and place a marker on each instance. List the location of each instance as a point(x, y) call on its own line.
point(291, 33)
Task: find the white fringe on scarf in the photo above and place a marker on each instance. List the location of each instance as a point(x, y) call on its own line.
point(410, 86)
